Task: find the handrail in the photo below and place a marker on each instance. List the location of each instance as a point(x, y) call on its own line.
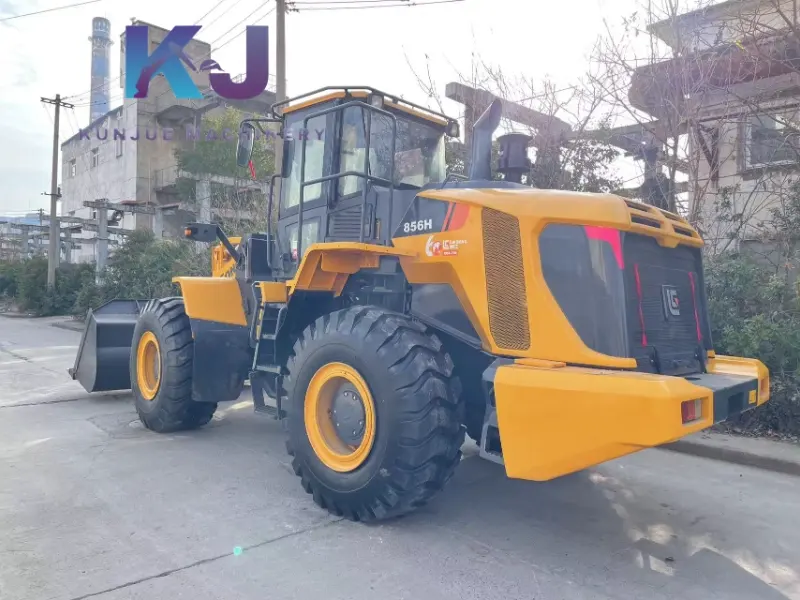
point(360, 88)
point(269, 216)
point(368, 178)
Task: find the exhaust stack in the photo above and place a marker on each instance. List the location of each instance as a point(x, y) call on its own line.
point(481, 157)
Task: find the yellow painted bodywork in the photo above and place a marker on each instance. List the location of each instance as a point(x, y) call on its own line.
point(556, 421)
point(748, 367)
point(552, 337)
point(222, 263)
point(212, 299)
point(273, 291)
point(326, 267)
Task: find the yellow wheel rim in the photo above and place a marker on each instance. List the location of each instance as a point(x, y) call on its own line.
point(148, 365)
point(340, 417)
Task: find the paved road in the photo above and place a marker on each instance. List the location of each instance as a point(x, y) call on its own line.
point(93, 506)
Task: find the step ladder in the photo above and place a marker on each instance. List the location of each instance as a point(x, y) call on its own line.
point(266, 373)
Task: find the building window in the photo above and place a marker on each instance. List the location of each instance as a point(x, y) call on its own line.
point(772, 139)
point(95, 157)
point(73, 168)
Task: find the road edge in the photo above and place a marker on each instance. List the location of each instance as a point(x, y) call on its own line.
point(69, 325)
point(734, 456)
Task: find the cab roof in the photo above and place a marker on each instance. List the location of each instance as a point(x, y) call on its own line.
point(325, 94)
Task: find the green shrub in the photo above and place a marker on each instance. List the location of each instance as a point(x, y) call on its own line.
point(755, 313)
point(32, 284)
point(10, 272)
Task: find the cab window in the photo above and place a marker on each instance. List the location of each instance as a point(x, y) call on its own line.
point(315, 160)
point(419, 154)
point(310, 236)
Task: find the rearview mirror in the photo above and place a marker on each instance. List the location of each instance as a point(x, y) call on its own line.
point(286, 159)
point(244, 146)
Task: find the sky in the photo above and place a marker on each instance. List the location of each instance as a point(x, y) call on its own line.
point(50, 53)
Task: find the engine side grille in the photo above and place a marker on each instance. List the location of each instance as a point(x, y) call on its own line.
point(505, 280)
point(345, 223)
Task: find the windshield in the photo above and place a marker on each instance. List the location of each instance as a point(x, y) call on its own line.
point(418, 155)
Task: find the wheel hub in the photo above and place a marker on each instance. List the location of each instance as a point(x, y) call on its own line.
point(348, 415)
point(340, 417)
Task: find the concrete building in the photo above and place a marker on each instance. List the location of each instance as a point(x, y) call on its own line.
point(127, 155)
point(16, 240)
point(735, 85)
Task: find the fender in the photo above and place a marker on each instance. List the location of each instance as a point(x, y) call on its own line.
point(222, 351)
point(327, 267)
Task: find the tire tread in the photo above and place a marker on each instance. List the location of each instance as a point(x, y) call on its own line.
point(176, 410)
point(430, 430)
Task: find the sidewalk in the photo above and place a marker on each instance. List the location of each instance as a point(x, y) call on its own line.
point(772, 455)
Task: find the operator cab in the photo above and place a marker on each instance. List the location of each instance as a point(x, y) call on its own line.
point(353, 160)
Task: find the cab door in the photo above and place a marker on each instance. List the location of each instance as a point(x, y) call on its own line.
point(318, 163)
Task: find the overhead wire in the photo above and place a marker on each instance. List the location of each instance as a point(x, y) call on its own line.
point(369, 5)
point(212, 49)
point(47, 10)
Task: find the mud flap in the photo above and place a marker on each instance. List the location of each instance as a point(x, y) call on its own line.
point(102, 362)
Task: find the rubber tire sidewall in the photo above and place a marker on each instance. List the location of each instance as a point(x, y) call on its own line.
point(336, 347)
point(148, 321)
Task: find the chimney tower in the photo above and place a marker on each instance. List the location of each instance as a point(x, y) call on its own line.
point(101, 44)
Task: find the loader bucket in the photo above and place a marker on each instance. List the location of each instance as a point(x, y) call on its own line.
point(102, 363)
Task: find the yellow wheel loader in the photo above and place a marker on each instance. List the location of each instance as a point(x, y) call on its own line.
point(391, 308)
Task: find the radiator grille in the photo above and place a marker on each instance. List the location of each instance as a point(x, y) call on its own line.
point(505, 281)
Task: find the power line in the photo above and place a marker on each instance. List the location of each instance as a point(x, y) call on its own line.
point(46, 10)
point(339, 2)
point(212, 49)
point(398, 4)
point(258, 8)
point(272, 10)
point(210, 10)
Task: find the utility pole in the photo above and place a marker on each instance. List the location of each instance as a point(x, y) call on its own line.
point(54, 252)
point(280, 84)
point(102, 242)
point(280, 47)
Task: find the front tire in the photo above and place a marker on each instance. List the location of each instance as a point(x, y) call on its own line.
point(392, 455)
point(161, 369)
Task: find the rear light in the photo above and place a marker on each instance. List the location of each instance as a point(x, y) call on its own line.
point(691, 410)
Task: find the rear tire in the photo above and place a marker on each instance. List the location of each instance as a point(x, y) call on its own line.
point(161, 369)
point(416, 413)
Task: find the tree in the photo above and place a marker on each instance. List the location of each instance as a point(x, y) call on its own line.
point(564, 157)
point(237, 202)
point(692, 86)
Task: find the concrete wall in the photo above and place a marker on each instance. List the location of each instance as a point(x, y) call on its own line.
point(724, 23)
point(753, 190)
point(113, 177)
